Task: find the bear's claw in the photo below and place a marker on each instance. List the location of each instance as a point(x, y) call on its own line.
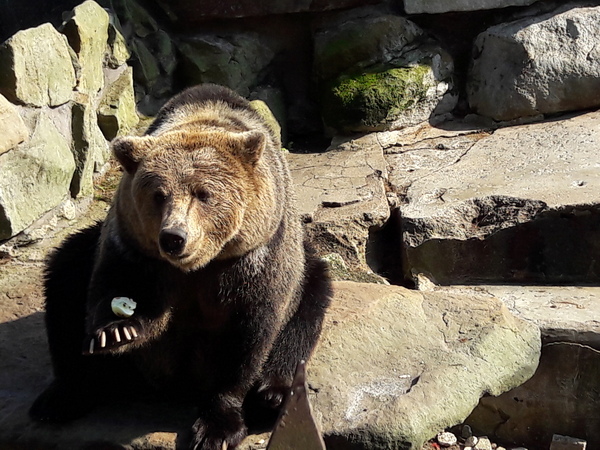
point(110, 337)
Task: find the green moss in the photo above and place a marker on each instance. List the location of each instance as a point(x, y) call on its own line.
point(368, 100)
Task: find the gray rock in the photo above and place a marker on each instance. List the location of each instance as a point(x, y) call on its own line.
point(118, 53)
point(36, 67)
point(499, 207)
point(35, 177)
point(89, 147)
point(442, 6)
point(560, 442)
point(341, 195)
point(191, 12)
point(87, 32)
point(381, 374)
point(379, 71)
point(235, 60)
point(549, 64)
point(562, 395)
point(116, 111)
point(14, 130)
point(392, 368)
point(146, 69)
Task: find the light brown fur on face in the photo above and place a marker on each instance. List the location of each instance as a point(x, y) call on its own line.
point(208, 184)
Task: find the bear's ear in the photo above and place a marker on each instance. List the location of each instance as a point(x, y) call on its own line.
point(129, 150)
point(253, 143)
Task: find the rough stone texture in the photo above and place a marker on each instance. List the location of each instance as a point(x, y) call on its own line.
point(87, 31)
point(550, 63)
point(14, 130)
point(562, 397)
point(118, 53)
point(379, 71)
point(36, 67)
point(341, 195)
point(116, 111)
point(395, 366)
point(499, 207)
point(234, 61)
point(442, 6)
point(193, 11)
point(35, 177)
point(378, 342)
point(89, 147)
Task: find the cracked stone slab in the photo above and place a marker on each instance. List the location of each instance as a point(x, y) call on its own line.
point(394, 366)
point(563, 313)
point(518, 190)
point(342, 195)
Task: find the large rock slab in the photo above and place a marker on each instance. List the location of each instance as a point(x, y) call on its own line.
point(36, 67)
point(379, 71)
point(550, 63)
point(442, 6)
point(342, 197)
point(500, 207)
point(393, 367)
point(561, 398)
point(117, 112)
point(35, 177)
point(87, 31)
point(191, 11)
point(234, 60)
point(14, 130)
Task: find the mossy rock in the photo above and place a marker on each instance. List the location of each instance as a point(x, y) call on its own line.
point(371, 101)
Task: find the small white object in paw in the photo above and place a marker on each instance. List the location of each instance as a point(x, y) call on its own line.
point(123, 306)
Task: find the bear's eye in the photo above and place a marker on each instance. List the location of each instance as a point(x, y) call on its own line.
point(202, 195)
point(159, 198)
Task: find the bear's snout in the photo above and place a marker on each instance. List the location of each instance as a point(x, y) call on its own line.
point(172, 241)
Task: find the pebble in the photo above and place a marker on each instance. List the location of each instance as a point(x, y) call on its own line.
point(471, 441)
point(446, 439)
point(483, 443)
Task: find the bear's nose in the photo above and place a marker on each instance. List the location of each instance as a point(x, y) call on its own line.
point(172, 240)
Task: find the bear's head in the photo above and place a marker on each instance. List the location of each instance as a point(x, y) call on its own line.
point(191, 197)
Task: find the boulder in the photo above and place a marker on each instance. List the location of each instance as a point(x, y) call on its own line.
point(378, 71)
point(392, 368)
point(116, 111)
point(233, 60)
point(35, 177)
point(14, 130)
point(442, 6)
point(87, 32)
point(36, 67)
point(90, 148)
point(501, 207)
point(118, 52)
point(342, 198)
point(395, 366)
point(146, 69)
point(562, 397)
point(189, 11)
point(549, 63)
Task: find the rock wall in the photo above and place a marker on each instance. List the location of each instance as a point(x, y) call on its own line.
point(324, 68)
point(63, 93)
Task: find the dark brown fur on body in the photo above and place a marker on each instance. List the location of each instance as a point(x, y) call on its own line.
point(204, 236)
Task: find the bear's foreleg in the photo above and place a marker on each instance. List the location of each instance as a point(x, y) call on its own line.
point(120, 272)
point(298, 338)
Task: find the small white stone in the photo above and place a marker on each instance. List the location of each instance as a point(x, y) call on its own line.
point(483, 443)
point(123, 306)
point(446, 439)
point(471, 441)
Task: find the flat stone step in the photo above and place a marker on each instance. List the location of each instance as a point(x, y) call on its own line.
point(520, 204)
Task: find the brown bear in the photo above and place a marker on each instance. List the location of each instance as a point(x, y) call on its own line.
point(204, 237)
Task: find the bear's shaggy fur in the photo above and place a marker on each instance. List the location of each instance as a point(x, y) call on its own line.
point(204, 236)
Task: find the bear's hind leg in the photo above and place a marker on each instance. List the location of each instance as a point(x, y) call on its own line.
point(294, 344)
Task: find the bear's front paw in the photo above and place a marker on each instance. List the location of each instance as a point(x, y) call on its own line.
point(111, 336)
point(220, 433)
